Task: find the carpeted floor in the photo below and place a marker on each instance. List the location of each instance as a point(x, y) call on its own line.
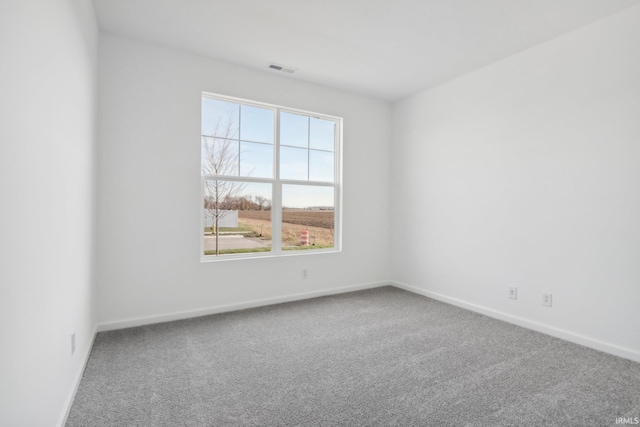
point(381, 357)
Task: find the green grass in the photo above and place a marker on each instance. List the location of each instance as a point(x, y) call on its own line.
point(303, 248)
point(238, 251)
point(247, 231)
point(233, 229)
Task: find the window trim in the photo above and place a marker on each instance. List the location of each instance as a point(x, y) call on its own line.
point(277, 183)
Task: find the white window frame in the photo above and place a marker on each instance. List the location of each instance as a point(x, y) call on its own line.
point(276, 187)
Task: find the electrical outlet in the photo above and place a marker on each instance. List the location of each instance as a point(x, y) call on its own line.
point(305, 274)
point(513, 292)
point(546, 299)
point(73, 343)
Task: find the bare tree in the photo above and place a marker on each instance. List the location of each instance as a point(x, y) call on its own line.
point(260, 201)
point(220, 157)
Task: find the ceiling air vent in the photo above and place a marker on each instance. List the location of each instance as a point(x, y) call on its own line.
point(282, 68)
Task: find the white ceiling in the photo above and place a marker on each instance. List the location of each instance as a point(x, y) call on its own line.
point(387, 49)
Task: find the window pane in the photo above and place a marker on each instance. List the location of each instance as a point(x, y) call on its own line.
point(294, 130)
point(220, 118)
point(321, 166)
point(219, 156)
point(256, 160)
point(308, 217)
point(293, 163)
point(243, 214)
point(256, 124)
point(322, 134)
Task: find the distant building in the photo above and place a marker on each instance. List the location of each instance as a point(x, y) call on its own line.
point(229, 219)
point(320, 208)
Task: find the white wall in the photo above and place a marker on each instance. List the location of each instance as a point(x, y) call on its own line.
point(149, 153)
point(527, 173)
point(48, 52)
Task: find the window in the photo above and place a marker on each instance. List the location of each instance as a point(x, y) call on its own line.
point(270, 179)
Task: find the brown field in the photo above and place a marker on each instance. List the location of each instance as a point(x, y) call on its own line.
point(260, 221)
point(321, 219)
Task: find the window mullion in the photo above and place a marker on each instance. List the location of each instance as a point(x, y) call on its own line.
point(239, 137)
point(276, 220)
point(308, 148)
point(276, 204)
point(238, 179)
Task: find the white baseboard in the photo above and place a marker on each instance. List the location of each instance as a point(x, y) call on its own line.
point(178, 315)
point(606, 347)
point(76, 383)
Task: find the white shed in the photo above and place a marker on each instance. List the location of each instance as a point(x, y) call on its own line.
point(229, 219)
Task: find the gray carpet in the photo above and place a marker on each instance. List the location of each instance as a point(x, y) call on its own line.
point(381, 357)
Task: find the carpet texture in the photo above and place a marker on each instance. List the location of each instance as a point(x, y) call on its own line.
point(381, 357)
